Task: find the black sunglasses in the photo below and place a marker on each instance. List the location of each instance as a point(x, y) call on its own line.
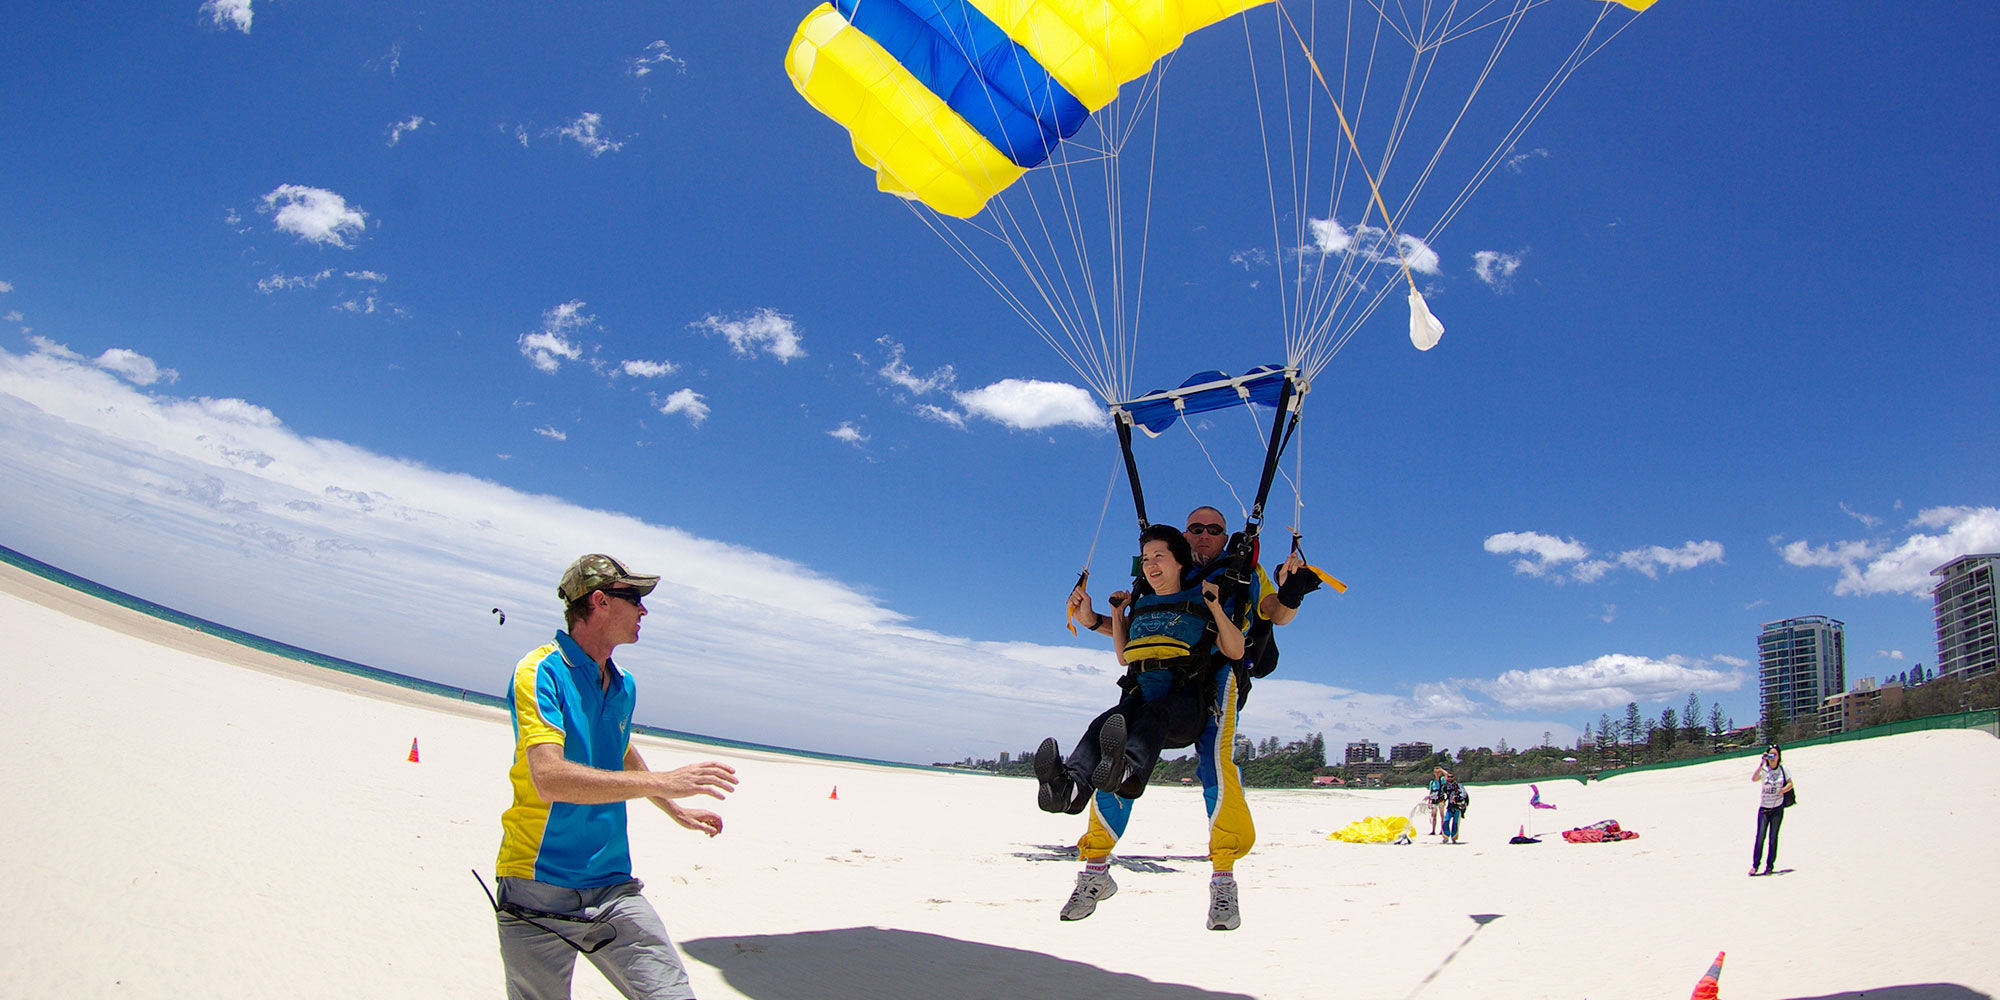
point(632, 596)
point(1196, 529)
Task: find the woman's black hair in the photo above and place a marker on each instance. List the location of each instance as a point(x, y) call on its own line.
point(1177, 544)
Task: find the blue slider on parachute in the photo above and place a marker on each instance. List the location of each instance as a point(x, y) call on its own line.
point(951, 101)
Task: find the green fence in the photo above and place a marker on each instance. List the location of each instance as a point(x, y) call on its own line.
point(1985, 719)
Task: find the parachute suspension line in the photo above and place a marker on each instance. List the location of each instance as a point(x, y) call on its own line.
point(1298, 497)
point(1374, 189)
point(1581, 54)
point(1130, 348)
point(1241, 510)
point(1508, 26)
point(1286, 312)
point(1109, 485)
point(979, 266)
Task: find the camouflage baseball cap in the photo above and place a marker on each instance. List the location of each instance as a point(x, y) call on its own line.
point(598, 571)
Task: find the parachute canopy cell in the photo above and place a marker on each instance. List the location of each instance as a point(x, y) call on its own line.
point(951, 101)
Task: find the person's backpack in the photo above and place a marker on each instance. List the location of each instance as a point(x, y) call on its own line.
point(1459, 799)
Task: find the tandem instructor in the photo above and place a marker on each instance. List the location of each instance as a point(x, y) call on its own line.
point(565, 871)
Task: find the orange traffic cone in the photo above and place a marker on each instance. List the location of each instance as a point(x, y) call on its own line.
point(1706, 989)
point(836, 792)
point(413, 750)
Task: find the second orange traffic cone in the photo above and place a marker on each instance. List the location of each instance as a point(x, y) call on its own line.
point(413, 750)
point(836, 792)
point(1709, 984)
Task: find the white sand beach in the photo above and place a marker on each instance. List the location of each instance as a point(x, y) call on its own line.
point(189, 818)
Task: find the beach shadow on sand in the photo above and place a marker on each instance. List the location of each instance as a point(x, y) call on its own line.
point(874, 963)
point(1913, 991)
point(1148, 863)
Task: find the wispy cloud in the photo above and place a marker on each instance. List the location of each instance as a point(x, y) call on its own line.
point(1605, 682)
point(687, 403)
point(1515, 162)
point(1560, 559)
point(314, 215)
point(898, 372)
point(129, 365)
point(551, 433)
point(1033, 405)
point(1495, 269)
point(587, 130)
point(848, 433)
point(402, 128)
point(229, 14)
point(548, 347)
point(765, 330)
point(656, 54)
point(1372, 245)
point(1889, 566)
point(647, 369)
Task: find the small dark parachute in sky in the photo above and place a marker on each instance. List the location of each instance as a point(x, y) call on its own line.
point(502, 614)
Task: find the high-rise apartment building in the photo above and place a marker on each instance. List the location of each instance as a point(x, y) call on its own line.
point(1968, 640)
point(1361, 751)
point(1800, 663)
point(1409, 753)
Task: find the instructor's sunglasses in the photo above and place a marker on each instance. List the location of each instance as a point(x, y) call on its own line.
point(631, 597)
point(1196, 529)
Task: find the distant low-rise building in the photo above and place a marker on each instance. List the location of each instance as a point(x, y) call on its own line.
point(1361, 751)
point(1848, 710)
point(1409, 753)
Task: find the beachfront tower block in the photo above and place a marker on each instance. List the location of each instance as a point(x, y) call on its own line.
point(1968, 639)
point(1800, 663)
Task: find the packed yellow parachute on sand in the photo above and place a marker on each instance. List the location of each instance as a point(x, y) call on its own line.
point(1373, 830)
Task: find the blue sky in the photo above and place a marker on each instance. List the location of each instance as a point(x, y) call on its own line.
point(346, 324)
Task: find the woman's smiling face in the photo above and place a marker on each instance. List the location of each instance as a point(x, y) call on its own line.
point(1160, 568)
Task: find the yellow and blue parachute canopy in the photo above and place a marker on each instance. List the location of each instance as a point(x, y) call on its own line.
point(951, 101)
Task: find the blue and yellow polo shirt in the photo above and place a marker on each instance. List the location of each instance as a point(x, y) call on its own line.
point(557, 697)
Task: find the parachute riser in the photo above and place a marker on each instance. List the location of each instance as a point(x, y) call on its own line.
point(1286, 417)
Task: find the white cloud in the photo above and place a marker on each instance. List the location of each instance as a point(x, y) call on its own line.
point(1560, 559)
point(1547, 551)
point(687, 402)
point(134, 367)
point(1869, 521)
point(1889, 654)
point(1878, 566)
point(648, 369)
point(587, 130)
point(1253, 257)
point(1494, 268)
point(315, 215)
point(229, 14)
point(287, 282)
point(1033, 405)
point(766, 329)
point(898, 373)
point(228, 499)
point(938, 414)
point(1653, 558)
point(656, 54)
point(551, 433)
point(849, 433)
point(1372, 245)
point(402, 128)
point(1606, 681)
point(6, 286)
point(1514, 162)
point(548, 347)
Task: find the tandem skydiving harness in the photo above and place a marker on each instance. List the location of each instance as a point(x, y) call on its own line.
point(595, 934)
